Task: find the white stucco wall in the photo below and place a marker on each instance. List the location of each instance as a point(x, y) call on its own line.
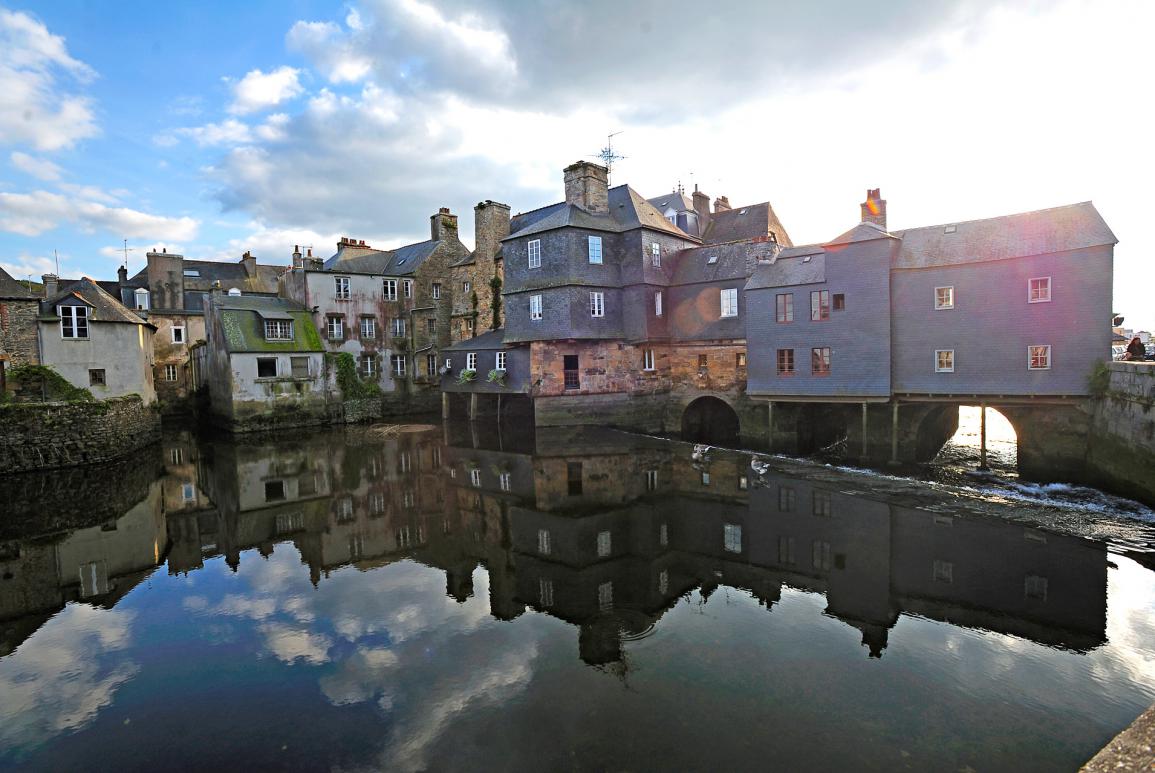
point(122, 349)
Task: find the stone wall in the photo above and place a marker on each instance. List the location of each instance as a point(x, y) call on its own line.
point(46, 435)
point(1121, 447)
point(18, 332)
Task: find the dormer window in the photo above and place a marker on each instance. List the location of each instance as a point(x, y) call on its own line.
point(73, 321)
point(278, 330)
point(141, 299)
point(193, 272)
point(712, 260)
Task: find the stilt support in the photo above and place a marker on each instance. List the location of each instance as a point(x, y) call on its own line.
point(983, 437)
point(864, 447)
point(770, 427)
point(445, 405)
point(894, 432)
point(473, 406)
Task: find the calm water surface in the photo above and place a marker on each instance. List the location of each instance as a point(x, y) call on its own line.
point(468, 599)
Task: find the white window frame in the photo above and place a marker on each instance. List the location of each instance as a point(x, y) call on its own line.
point(647, 359)
point(435, 288)
point(142, 299)
point(535, 306)
point(597, 304)
point(73, 315)
point(543, 542)
point(1031, 290)
point(505, 481)
point(338, 328)
point(178, 339)
point(499, 361)
point(595, 249)
point(466, 287)
point(656, 255)
point(652, 481)
point(533, 253)
point(471, 361)
point(408, 288)
point(732, 537)
point(941, 303)
point(399, 366)
point(368, 365)
point(278, 330)
point(605, 544)
point(938, 368)
point(389, 289)
point(728, 301)
point(475, 477)
point(170, 372)
point(368, 327)
point(658, 303)
point(398, 327)
point(449, 363)
point(1031, 356)
point(431, 364)
point(341, 290)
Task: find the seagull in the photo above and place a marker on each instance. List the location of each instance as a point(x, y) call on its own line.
point(700, 452)
point(759, 467)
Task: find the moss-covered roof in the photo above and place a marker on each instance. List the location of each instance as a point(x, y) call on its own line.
point(244, 331)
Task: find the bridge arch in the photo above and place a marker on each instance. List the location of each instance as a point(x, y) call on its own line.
point(711, 420)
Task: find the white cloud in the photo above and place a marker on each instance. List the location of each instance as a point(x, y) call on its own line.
point(40, 168)
point(332, 52)
point(31, 266)
point(227, 132)
point(260, 90)
point(35, 108)
point(289, 644)
point(31, 214)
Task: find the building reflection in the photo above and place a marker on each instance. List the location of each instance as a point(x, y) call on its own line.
point(603, 530)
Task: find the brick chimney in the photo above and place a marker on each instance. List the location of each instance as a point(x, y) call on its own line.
point(443, 225)
point(702, 207)
point(490, 226)
point(50, 284)
point(122, 275)
point(297, 262)
point(587, 186)
point(250, 264)
point(721, 203)
point(874, 208)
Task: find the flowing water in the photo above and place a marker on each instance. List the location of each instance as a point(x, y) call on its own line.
point(489, 598)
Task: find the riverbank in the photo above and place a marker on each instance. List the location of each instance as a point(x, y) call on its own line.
point(1133, 749)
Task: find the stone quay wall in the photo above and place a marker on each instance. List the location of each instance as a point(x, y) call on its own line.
point(1121, 442)
point(37, 436)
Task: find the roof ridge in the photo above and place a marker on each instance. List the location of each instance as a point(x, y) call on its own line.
point(997, 217)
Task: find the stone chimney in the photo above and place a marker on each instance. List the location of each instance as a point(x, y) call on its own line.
point(702, 207)
point(721, 203)
point(297, 262)
point(490, 226)
point(215, 290)
point(250, 264)
point(50, 284)
point(443, 225)
point(587, 186)
point(122, 275)
point(874, 208)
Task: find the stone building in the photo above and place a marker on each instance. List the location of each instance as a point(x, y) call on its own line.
point(19, 308)
point(93, 341)
point(169, 293)
point(472, 275)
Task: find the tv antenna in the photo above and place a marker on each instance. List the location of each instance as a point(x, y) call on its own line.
point(607, 154)
point(127, 250)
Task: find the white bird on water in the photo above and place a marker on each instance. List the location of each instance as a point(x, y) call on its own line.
point(700, 452)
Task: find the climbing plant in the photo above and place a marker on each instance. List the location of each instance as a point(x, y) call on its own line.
point(349, 381)
point(44, 383)
point(495, 286)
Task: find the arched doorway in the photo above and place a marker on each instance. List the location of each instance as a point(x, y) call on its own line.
point(710, 420)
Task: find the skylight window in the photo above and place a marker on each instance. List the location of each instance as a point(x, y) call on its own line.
point(743, 212)
point(192, 272)
point(712, 260)
point(950, 229)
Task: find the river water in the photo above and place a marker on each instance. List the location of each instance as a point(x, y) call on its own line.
point(493, 598)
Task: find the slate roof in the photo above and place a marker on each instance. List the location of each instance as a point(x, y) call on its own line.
point(627, 211)
point(863, 232)
point(678, 201)
point(735, 261)
point(1070, 227)
point(493, 339)
point(797, 269)
point(749, 222)
point(229, 273)
point(242, 323)
point(11, 289)
point(402, 261)
point(105, 307)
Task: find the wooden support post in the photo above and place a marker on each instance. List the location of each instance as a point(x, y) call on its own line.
point(770, 426)
point(444, 405)
point(499, 409)
point(864, 407)
point(894, 432)
point(983, 437)
point(473, 406)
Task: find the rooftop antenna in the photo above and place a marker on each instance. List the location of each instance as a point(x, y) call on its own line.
point(607, 154)
point(56, 255)
point(126, 251)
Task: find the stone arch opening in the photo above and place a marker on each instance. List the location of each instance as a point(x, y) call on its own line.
point(710, 420)
point(963, 448)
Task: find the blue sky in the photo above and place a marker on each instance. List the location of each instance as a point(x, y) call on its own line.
point(212, 128)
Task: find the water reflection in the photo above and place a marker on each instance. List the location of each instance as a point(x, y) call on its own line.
point(603, 531)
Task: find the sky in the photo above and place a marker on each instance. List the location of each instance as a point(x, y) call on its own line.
point(212, 128)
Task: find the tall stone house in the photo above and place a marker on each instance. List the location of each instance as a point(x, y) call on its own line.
point(19, 308)
point(169, 291)
point(472, 276)
point(391, 310)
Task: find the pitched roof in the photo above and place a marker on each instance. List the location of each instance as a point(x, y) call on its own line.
point(733, 261)
point(863, 232)
point(627, 211)
point(105, 308)
point(10, 288)
point(748, 222)
point(1070, 227)
point(242, 323)
point(229, 273)
point(402, 261)
point(493, 339)
point(673, 200)
point(800, 268)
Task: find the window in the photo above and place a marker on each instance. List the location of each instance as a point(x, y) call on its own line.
point(471, 361)
point(367, 364)
point(465, 287)
point(784, 303)
point(499, 361)
point(663, 530)
point(389, 288)
point(1039, 289)
point(274, 490)
point(436, 291)
point(96, 376)
point(475, 477)
point(597, 304)
point(656, 255)
point(944, 361)
point(176, 455)
point(543, 545)
point(943, 571)
point(786, 555)
point(820, 361)
point(534, 251)
point(647, 359)
point(703, 363)
point(839, 302)
point(1035, 587)
point(505, 480)
point(786, 499)
point(169, 372)
point(545, 592)
point(299, 367)
point(73, 321)
point(730, 302)
point(398, 364)
point(93, 579)
point(651, 480)
point(711, 260)
point(820, 555)
point(430, 364)
point(341, 288)
point(399, 327)
point(278, 330)
point(570, 371)
point(573, 478)
point(664, 581)
point(535, 307)
point(740, 359)
point(821, 503)
point(345, 510)
point(334, 328)
point(178, 334)
point(820, 305)
point(287, 523)
point(785, 362)
point(266, 367)
point(605, 544)
point(188, 492)
point(448, 363)
point(732, 537)
point(606, 597)
point(431, 326)
point(944, 297)
point(705, 478)
point(1038, 357)
point(469, 326)
point(408, 285)
point(141, 299)
point(368, 327)
point(193, 272)
point(595, 249)
point(658, 303)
